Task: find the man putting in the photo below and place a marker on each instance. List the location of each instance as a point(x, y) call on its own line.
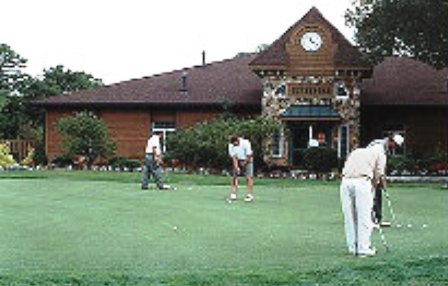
point(384, 145)
point(240, 151)
point(363, 170)
point(153, 160)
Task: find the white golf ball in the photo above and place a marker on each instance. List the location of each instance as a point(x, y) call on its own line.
point(174, 227)
point(424, 225)
point(398, 225)
point(409, 225)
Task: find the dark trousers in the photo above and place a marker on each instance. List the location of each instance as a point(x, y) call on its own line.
point(151, 168)
point(377, 205)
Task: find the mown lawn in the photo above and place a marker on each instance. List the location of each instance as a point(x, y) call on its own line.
point(88, 228)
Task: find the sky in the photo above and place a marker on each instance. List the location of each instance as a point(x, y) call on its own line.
point(118, 40)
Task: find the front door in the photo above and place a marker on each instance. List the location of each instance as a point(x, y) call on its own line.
point(300, 135)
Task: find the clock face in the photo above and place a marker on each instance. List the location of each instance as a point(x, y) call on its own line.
point(311, 41)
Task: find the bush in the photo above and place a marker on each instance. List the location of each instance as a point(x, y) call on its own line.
point(6, 159)
point(320, 159)
point(206, 143)
point(84, 134)
point(122, 163)
point(63, 161)
point(39, 156)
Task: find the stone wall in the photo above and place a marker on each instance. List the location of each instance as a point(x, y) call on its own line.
point(276, 99)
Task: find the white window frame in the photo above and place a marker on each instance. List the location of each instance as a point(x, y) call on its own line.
point(342, 85)
point(347, 140)
point(164, 131)
point(280, 142)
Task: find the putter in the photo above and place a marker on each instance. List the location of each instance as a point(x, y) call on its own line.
point(389, 203)
point(382, 236)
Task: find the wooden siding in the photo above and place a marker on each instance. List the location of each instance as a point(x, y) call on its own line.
point(52, 137)
point(426, 127)
point(128, 128)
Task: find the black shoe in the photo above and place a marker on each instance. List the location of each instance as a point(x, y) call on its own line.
point(144, 188)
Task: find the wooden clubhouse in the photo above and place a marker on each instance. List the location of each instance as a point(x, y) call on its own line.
point(311, 79)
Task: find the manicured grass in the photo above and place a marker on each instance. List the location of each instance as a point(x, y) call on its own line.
point(89, 228)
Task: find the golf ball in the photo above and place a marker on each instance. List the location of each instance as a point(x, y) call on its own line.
point(409, 225)
point(174, 227)
point(398, 225)
point(424, 225)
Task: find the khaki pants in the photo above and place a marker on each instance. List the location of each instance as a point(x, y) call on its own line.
point(357, 201)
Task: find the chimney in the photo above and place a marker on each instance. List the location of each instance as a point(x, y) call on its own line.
point(184, 80)
point(203, 58)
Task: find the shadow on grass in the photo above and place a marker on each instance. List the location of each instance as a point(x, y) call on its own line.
point(428, 271)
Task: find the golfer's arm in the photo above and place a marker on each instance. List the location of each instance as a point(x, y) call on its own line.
point(382, 182)
point(235, 162)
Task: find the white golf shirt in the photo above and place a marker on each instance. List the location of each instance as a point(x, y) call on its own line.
point(154, 141)
point(241, 151)
point(365, 162)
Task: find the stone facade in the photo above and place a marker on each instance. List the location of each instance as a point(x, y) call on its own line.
point(277, 98)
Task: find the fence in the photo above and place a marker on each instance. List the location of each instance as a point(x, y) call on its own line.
point(19, 148)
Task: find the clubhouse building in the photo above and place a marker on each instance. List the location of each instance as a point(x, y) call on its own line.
point(311, 79)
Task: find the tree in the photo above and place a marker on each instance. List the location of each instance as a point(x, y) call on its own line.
point(205, 144)
point(54, 81)
point(12, 76)
point(415, 28)
point(85, 135)
point(59, 80)
point(12, 85)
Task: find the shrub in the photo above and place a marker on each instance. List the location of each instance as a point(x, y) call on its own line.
point(320, 159)
point(28, 160)
point(39, 156)
point(85, 135)
point(62, 161)
point(122, 162)
point(205, 144)
point(6, 159)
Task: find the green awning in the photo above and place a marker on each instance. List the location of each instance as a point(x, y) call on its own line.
point(310, 112)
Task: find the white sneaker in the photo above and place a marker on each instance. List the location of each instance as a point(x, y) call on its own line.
point(369, 252)
point(166, 187)
point(249, 198)
point(232, 196)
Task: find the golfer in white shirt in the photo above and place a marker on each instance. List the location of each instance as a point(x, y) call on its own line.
point(240, 151)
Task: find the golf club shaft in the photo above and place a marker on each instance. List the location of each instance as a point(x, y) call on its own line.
point(389, 203)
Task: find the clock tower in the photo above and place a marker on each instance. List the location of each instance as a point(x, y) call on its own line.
point(311, 77)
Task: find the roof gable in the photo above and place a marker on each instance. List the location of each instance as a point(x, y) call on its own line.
point(346, 55)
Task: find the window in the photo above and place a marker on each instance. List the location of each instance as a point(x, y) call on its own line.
point(340, 90)
point(277, 143)
point(165, 127)
point(343, 141)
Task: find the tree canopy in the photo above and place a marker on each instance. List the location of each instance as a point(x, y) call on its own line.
point(415, 28)
point(12, 76)
point(59, 80)
point(19, 118)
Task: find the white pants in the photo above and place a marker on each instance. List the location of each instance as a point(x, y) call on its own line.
point(357, 201)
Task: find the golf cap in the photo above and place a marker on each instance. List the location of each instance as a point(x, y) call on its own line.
point(398, 139)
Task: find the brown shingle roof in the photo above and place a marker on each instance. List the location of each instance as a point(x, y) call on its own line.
point(346, 54)
point(404, 81)
point(207, 85)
